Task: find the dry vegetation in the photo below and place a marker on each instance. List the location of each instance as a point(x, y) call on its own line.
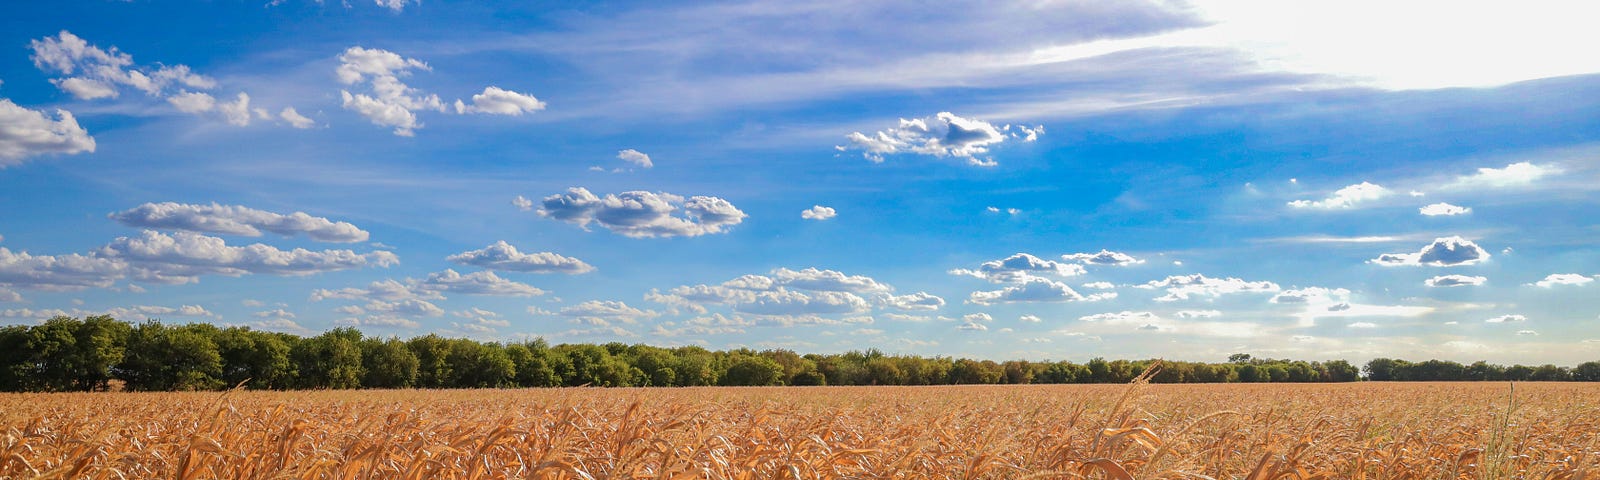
point(1374, 431)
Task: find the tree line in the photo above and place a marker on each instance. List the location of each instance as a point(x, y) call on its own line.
point(97, 352)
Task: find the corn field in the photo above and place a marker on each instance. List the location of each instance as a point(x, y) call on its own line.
point(1313, 431)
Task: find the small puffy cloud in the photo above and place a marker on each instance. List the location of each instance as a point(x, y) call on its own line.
point(27, 133)
point(975, 322)
point(915, 301)
point(1443, 252)
point(503, 256)
point(1100, 285)
point(1123, 317)
point(237, 112)
point(635, 157)
point(278, 313)
point(193, 102)
point(1032, 290)
point(641, 214)
point(1556, 279)
point(391, 103)
point(827, 280)
point(978, 317)
point(1363, 325)
point(522, 203)
point(942, 135)
point(603, 312)
point(295, 119)
point(1513, 175)
point(477, 283)
point(1105, 257)
point(1455, 281)
point(379, 321)
point(236, 220)
point(1507, 319)
point(153, 311)
point(1526, 333)
point(1020, 267)
point(1183, 287)
point(498, 101)
point(1025, 318)
point(1444, 209)
point(1198, 313)
point(818, 212)
point(1344, 198)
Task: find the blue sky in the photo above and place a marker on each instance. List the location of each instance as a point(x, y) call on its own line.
point(1042, 180)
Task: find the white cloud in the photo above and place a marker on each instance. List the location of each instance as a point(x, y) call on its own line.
point(1555, 279)
point(942, 135)
point(396, 5)
point(1105, 257)
point(1120, 317)
point(477, 283)
point(26, 133)
point(1507, 319)
point(9, 296)
point(1527, 333)
point(498, 101)
point(1513, 175)
point(642, 214)
point(827, 280)
point(1025, 318)
point(277, 313)
point(295, 119)
point(1443, 252)
point(183, 256)
point(1182, 287)
point(392, 102)
point(1020, 267)
point(1033, 289)
point(1344, 198)
point(1455, 281)
point(784, 302)
point(379, 322)
point(522, 203)
point(603, 312)
point(236, 220)
point(237, 112)
point(193, 102)
point(1444, 209)
point(635, 157)
point(915, 301)
point(1363, 325)
point(1100, 285)
point(818, 212)
point(503, 256)
point(1312, 295)
point(1199, 313)
point(57, 272)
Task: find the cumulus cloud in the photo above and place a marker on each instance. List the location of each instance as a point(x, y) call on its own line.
point(1556, 279)
point(942, 135)
point(295, 119)
point(387, 101)
point(92, 73)
point(1313, 295)
point(1027, 318)
point(499, 101)
point(1455, 281)
point(236, 220)
point(603, 312)
point(975, 322)
point(915, 301)
point(1105, 257)
point(827, 280)
point(635, 157)
point(784, 302)
point(1513, 175)
point(57, 272)
point(183, 256)
point(818, 212)
point(1020, 267)
point(1344, 198)
point(1507, 319)
point(503, 256)
point(1199, 313)
point(1444, 209)
point(1183, 287)
point(1100, 285)
point(641, 214)
point(1443, 252)
point(27, 133)
point(477, 283)
point(1032, 290)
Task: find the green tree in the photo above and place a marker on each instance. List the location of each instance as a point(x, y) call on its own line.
point(388, 364)
point(260, 357)
point(162, 358)
point(331, 360)
point(752, 370)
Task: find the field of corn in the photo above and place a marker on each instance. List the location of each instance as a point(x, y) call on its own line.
point(1334, 431)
